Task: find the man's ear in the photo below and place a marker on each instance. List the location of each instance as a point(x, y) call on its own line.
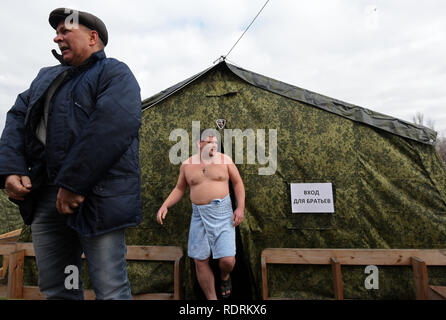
point(94, 37)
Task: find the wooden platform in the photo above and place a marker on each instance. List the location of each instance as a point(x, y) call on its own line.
point(418, 259)
point(15, 253)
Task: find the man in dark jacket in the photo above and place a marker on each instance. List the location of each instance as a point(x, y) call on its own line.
point(69, 159)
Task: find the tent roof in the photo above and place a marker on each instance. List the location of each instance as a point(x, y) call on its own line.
point(359, 114)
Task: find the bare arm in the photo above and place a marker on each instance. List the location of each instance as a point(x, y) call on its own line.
point(239, 190)
point(175, 196)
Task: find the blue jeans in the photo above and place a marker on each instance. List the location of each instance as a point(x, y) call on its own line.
point(57, 246)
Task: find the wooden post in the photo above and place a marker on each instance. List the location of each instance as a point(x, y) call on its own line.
point(420, 278)
point(337, 279)
point(4, 269)
point(178, 279)
point(264, 279)
point(15, 275)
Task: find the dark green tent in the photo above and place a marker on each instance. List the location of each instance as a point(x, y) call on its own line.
point(388, 181)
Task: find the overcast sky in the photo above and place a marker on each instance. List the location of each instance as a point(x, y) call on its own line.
point(385, 55)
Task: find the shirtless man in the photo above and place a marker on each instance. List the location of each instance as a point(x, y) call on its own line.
point(213, 222)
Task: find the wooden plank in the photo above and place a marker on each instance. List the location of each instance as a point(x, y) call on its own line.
point(15, 233)
point(264, 278)
point(27, 247)
point(33, 293)
point(393, 257)
point(437, 293)
point(154, 296)
point(272, 298)
point(337, 279)
point(89, 294)
point(420, 278)
point(9, 239)
point(7, 248)
point(4, 268)
point(156, 253)
point(3, 291)
point(15, 275)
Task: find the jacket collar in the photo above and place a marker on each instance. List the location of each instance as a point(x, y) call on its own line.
point(98, 55)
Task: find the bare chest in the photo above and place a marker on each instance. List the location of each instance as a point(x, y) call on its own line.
point(197, 174)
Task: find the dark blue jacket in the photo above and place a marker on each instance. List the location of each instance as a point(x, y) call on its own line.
point(92, 142)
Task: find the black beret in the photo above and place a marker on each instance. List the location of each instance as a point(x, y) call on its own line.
point(85, 18)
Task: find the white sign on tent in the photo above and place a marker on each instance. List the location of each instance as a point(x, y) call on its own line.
point(312, 198)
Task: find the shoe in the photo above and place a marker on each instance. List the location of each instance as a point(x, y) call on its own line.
point(226, 285)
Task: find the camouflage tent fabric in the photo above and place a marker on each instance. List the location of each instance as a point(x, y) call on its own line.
point(9, 218)
point(389, 184)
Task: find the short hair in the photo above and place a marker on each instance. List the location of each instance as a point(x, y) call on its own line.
point(206, 133)
point(100, 43)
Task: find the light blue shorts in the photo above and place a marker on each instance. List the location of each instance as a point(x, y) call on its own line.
point(212, 229)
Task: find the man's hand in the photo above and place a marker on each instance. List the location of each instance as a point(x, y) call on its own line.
point(17, 187)
point(161, 214)
point(67, 201)
point(239, 213)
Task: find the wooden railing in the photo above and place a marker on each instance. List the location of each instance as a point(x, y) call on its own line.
point(15, 254)
point(11, 236)
point(418, 259)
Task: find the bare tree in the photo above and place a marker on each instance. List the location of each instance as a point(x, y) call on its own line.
point(440, 144)
point(418, 118)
